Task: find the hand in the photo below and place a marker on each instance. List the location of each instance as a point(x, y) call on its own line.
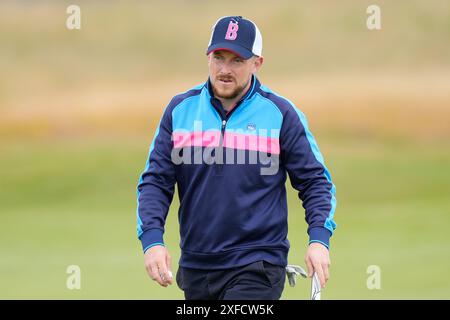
point(158, 264)
point(317, 260)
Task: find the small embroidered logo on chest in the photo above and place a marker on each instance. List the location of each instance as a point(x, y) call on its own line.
point(251, 127)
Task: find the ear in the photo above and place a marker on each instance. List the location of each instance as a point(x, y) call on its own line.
point(257, 63)
point(208, 58)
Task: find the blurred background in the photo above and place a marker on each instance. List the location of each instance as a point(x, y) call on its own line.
point(78, 110)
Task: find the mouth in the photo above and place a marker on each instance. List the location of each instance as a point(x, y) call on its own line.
point(225, 81)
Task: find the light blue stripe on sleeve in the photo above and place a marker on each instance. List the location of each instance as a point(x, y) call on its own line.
point(154, 244)
point(330, 224)
point(147, 166)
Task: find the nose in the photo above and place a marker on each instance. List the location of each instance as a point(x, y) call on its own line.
point(225, 68)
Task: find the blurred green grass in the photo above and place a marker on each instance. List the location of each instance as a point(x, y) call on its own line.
point(74, 204)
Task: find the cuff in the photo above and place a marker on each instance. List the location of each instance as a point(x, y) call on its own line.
point(151, 238)
point(320, 235)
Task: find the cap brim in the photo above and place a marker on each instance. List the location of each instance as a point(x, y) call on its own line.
point(238, 50)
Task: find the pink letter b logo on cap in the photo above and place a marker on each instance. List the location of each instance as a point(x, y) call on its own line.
point(232, 31)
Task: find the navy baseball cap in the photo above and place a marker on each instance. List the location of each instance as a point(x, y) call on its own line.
point(236, 34)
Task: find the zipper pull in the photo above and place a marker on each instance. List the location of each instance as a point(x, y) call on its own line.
point(224, 122)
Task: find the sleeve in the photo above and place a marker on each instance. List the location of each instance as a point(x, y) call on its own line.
point(156, 186)
point(309, 176)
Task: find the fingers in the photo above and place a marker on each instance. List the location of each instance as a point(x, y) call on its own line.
point(310, 268)
point(157, 260)
point(164, 273)
point(149, 270)
point(323, 272)
point(156, 275)
point(320, 273)
point(318, 260)
point(326, 271)
point(169, 267)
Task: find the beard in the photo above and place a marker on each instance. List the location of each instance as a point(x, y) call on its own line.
point(226, 94)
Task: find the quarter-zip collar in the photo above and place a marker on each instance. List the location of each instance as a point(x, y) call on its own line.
point(254, 86)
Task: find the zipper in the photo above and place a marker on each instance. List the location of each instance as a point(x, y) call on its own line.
point(222, 138)
point(219, 166)
point(224, 123)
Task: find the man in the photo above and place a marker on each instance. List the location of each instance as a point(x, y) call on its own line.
point(229, 144)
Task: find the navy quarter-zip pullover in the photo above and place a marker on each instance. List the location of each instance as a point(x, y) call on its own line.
point(231, 170)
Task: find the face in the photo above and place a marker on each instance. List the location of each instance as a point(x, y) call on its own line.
point(230, 74)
